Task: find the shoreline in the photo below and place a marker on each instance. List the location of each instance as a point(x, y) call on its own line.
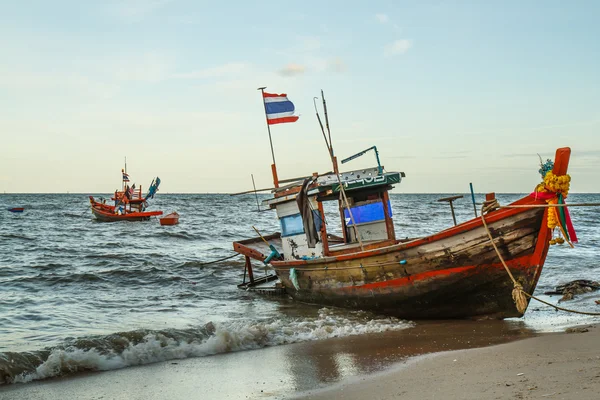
point(562, 365)
point(277, 372)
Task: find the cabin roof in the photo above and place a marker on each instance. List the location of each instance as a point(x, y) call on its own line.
point(352, 180)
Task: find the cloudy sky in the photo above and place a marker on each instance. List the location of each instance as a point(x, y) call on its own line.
point(449, 92)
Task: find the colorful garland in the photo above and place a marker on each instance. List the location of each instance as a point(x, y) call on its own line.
point(555, 189)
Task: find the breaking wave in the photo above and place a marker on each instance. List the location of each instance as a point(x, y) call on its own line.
point(120, 350)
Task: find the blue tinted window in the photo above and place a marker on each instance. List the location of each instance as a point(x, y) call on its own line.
point(291, 225)
point(367, 213)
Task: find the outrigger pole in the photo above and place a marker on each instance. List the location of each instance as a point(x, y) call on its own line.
point(255, 194)
point(274, 166)
point(335, 167)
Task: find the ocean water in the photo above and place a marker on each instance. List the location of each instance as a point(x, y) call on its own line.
point(79, 295)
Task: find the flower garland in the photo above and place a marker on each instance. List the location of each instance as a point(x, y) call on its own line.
point(555, 189)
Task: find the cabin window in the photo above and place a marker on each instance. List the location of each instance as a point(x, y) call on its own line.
point(366, 213)
point(292, 224)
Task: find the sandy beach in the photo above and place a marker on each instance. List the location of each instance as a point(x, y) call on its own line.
point(433, 360)
point(552, 366)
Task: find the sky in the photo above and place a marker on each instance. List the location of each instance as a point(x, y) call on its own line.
point(450, 92)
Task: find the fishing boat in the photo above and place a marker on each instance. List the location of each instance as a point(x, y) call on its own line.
point(16, 209)
point(455, 273)
point(170, 219)
point(128, 204)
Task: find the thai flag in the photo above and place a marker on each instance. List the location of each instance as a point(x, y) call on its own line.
point(125, 177)
point(279, 109)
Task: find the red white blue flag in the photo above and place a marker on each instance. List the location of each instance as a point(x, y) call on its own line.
point(279, 109)
point(125, 177)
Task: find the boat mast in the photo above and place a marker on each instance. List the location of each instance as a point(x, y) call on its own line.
point(123, 176)
point(344, 198)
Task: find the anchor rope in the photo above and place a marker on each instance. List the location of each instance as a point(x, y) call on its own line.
point(518, 293)
point(219, 260)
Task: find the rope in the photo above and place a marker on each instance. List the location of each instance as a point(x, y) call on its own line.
point(550, 205)
point(216, 261)
point(518, 294)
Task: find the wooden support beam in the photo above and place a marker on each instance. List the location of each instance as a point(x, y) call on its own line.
point(324, 238)
point(389, 222)
point(249, 268)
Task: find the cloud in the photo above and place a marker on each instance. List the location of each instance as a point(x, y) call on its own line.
point(382, 18)
point(292, 69)
point(319, 65)
point(398, 47)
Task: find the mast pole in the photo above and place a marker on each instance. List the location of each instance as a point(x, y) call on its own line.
point(327, 122)
point(336, 170)
point(274, 166)
point(123, 176)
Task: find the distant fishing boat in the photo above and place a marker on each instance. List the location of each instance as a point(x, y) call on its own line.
point(129, 204)
point(170, 219)
point(455, 273)
point(16, 209)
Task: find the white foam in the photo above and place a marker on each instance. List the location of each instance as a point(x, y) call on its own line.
point(228, 336)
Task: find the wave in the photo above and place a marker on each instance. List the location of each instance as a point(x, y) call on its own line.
point(125, 349)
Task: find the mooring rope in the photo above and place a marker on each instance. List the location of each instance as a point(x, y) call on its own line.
point(518, 293)
point(219, 260)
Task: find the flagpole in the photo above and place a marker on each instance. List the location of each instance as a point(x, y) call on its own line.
point(274, 166)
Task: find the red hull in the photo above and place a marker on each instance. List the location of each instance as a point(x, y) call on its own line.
point(170, 219)
point(106, 213)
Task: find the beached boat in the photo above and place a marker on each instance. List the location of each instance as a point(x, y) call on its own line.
point(128, 204)
point(455, 273)
point(170, 219)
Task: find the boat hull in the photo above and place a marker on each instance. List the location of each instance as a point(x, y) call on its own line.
point(106, 213)
point(453, 274)
point(170, 219)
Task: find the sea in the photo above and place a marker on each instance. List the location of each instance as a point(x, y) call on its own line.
point(77, 295)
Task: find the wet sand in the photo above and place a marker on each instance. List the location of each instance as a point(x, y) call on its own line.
point(552, 366)
point(370, 366)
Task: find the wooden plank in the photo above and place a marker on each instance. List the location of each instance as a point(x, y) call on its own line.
point(561, 161)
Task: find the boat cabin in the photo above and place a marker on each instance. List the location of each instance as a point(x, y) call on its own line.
point(366, 221)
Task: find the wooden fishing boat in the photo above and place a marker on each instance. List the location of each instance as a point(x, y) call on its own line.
point(129, 203)
point(16, 209)
point(170, 219)
point(455, 273)
point(106, 213)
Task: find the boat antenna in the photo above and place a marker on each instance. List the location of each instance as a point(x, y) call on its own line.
point(337, 172)
point(255, 193)
point(327, 122)
point(321, 125)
